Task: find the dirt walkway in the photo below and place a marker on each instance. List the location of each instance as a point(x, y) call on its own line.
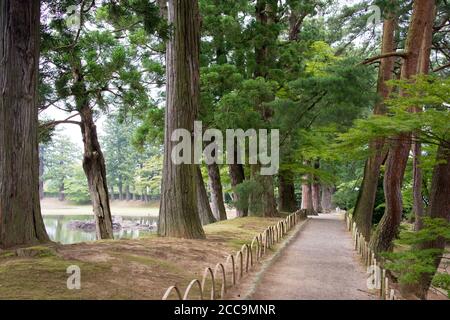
point(319, 263)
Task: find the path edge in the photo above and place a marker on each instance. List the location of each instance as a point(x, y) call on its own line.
point(256, 278)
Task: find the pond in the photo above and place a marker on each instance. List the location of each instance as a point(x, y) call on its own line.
point(60, 227)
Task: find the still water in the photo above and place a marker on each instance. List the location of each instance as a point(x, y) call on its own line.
point(59, 231)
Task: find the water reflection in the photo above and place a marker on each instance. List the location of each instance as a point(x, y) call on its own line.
point(58, 230)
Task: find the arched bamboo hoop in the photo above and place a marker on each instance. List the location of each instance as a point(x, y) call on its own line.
point(169, 290)
point(233, 268)
point(240, 256)
point(209, 271)
point(224, 279)
point(263, 241)
point(257, 249)
point(189, 287)
point(248, 256)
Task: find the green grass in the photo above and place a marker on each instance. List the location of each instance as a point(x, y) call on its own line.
point(121, 269)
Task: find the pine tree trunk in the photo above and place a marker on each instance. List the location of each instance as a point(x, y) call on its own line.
point(364, 207)
point(127, 192)
point(204, 209)
point(41, 173)
point(395, 167)
point(218, 204)
point(268, 196)
point(178, 214)
point(266, 206)
point(237, 177)
point(262, 199)
point(286, 191)
point(316, 190)
point(307, 201)
point(326, 199)
point(120, 185)
point(61, 196)
point(424, 66)
point(21, 222)
point(94, 168)
point(399, 147)
point(439, 208)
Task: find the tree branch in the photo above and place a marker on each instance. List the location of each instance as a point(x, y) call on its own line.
point(445, 66)
point(67, 120)
point(385, 55)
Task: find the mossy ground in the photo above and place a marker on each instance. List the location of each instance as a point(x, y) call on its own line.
point(122, 269)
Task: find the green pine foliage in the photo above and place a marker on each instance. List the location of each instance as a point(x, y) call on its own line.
point(412, 261)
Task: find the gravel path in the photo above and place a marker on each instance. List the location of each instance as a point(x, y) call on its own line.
point(319, 263)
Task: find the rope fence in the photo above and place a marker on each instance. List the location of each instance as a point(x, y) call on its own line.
point(374, 267)
point(237, 265)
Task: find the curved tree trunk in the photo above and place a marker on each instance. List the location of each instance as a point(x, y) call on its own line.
point(95, 170)
point(20, 212)
point(286, 191)
point(204, 208)
point(178, 213)
point(395, 167)
point(366, 198)
point(218, 205)
point(400, 146)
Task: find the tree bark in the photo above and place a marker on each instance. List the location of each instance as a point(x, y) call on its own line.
point(95, 170)
point(237, 177)
point(326, 198)
point(127, 192)
point(178, 214)
point(61, 196)
point(286, 191)
point(364, 207)
point(399, 148)
point(21, 222)
point(295, 22)
point(218, 205)
point(307, 201)
point(261, 50)
point(424, 67)
point(41, 173)
point(204, 208)
point(265, 15)
point(316, 190)
point(439, 208)
point(262, 200)
point(120, 186)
